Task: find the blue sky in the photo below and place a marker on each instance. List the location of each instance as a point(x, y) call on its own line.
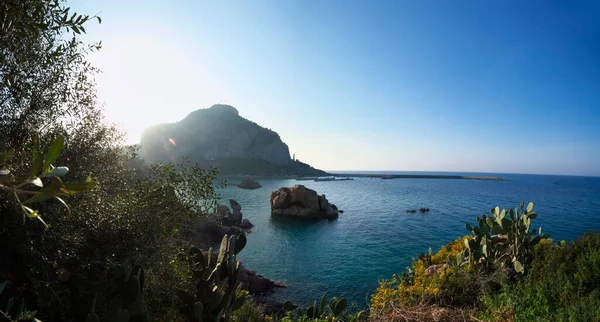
point(486, 86)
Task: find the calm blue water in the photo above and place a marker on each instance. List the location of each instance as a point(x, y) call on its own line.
point(376, 238)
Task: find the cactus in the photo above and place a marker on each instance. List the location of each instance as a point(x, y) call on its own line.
point(501, 240)
point(323, 311)
point(128, 305)
point(218, 294)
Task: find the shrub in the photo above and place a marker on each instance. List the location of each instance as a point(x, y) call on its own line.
point(564, 283)
point(418, 285)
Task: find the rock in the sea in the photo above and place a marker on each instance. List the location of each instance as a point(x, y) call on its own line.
point(222, 212)
point(301, 202)
point(208, 232)
point(256, 283)
point(236, 215)
point(245, 224)
point(229, 217)
point(249, 184)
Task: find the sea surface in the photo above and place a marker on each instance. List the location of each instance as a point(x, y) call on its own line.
point(375, 237)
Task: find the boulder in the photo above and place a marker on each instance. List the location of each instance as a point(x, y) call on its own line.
point(305, 197)
point(438, 268)
point(222, 212)
point(301, 202)
point(281, 199)
point(236, 216)
point(208, 232)
point(245, 224)
point(249, 184)
point(255, 283)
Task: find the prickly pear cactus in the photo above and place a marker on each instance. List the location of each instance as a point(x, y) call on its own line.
point(503, 238)
point(218, 294)
point(127, 306)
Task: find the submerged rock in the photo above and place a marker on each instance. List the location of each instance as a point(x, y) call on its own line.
point(301, 202)
point(249, 184)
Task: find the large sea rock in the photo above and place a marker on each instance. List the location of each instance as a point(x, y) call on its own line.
point(301, 202)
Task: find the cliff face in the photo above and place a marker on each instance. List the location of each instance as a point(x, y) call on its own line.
point(219, 136)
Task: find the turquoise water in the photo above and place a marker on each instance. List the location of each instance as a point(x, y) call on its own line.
point(376, 238)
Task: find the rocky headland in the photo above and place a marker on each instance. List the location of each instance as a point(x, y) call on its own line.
point(220, 137)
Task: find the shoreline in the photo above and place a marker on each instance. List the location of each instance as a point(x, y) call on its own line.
point(368, 175)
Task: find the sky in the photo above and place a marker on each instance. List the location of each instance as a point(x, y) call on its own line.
point(472, 86)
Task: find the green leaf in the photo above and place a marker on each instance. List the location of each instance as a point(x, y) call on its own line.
point(74, 187)
point(185, 297)
point(56, 172)
point(532, 215)
point(36, 164)
point(311, 312)
point(198, 310)
point(33, 214)
point(239, 243)
point(42, 196)
point(99, 20)
point(21, 309)
point(53, 152)
point(4, 157)
point(489, 221)
point(64, 204)
point(518, 267)
point(288, 306)
point(323, 302)
point(239, 302)
point(530, 207)
point(10, 304)
point(37, 182)
point(340, 306)
point(469, 227)
point(4, 172)
point(2, 286)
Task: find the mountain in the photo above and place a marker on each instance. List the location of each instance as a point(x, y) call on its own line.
point(219, 136)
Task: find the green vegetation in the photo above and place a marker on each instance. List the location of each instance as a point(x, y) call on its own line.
point(218, 294)
point(108, 242)
point(504, 271)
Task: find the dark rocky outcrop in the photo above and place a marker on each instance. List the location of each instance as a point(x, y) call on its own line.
point(249, 184)
point(223, 221)
point(219, 136)
point(256, 284)
point(301, 202)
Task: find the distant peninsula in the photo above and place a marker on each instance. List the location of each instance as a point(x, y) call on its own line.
point(418, 176)
point(218, 136)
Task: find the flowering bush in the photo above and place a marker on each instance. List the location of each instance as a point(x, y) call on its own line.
point(422, 282)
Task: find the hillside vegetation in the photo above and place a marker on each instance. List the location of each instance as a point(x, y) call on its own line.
point(86, 237)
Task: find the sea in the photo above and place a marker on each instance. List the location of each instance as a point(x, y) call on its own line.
point(375, 237)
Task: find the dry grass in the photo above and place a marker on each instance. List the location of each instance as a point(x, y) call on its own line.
point(423, 312)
